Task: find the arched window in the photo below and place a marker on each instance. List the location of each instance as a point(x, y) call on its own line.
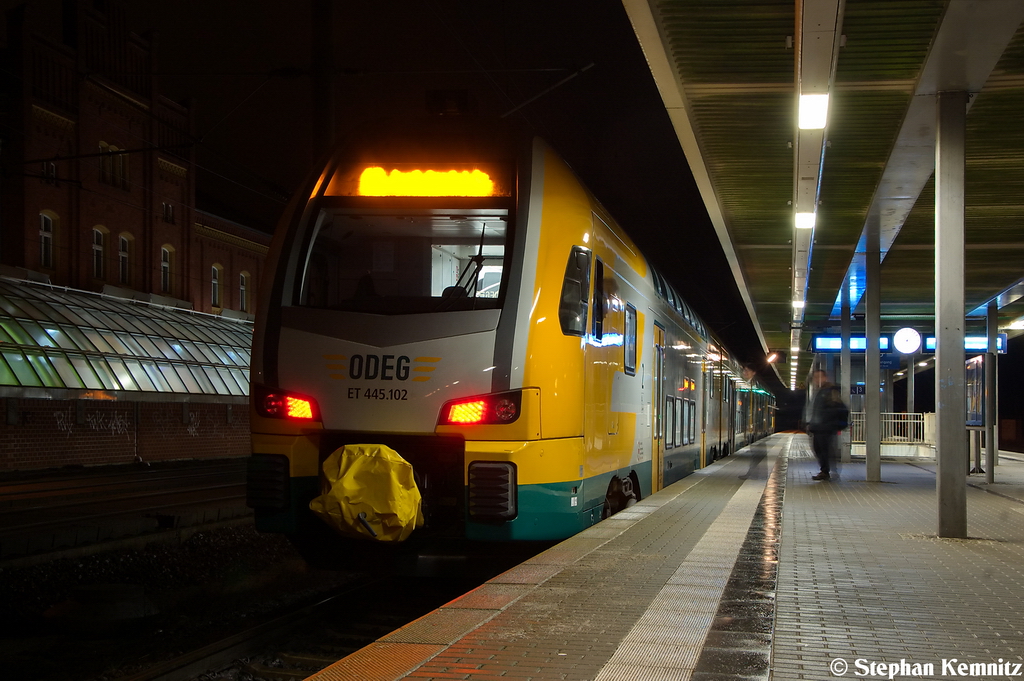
point(47, 225)
point(99, 238)
point(124, 254)
point(243, 291)
point(166, 265)
point(215, 276)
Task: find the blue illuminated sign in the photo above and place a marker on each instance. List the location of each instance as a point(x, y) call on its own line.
point(858, 343)
point(972, 343)
point(832, 343)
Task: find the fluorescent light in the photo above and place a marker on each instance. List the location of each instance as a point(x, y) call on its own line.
point(813, 112)
point(805, 220)
point(798, 304)
point(794, 350)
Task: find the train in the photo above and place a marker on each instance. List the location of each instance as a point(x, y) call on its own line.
point(452, 291)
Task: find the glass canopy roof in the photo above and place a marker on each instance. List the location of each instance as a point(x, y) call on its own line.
point(56, 338)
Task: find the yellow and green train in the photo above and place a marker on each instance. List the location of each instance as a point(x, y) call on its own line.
point(454, 292)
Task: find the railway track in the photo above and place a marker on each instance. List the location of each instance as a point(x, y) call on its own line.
point(304, 641)
point(51, 511)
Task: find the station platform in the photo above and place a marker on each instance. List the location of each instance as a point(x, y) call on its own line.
point(747, 569)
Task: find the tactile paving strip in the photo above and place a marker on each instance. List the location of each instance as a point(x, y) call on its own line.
point(378, 661)
point(711, 561)
point(445, 625)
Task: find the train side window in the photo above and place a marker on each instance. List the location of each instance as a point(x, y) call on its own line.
point(693, 421)
point(686, 421)
point(598, 330)
point(678, 435)
point(629, 342)
point(670, 413)
point(659, 283)
point(572, 310)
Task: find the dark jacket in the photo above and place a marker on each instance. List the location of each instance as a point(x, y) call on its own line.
point(829, 414)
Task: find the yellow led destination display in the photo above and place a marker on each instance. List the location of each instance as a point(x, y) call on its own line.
point(377, 181)
point(421, 180)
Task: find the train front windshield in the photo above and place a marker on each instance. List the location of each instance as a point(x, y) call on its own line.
point(406, 260)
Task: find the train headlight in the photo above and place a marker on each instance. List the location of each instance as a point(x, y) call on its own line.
point(481, 409)
point(281, 404)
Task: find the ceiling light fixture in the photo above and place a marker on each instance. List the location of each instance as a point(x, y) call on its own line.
point(813, 112)
point(805, 220)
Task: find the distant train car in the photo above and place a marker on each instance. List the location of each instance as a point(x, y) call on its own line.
point(455, 293)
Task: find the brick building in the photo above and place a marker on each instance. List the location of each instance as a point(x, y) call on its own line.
point(125, 312)
point(98, 186)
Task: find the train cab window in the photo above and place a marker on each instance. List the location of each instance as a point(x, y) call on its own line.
point(572, 308)
point(629, 341)
point(396, 260)
point(598, 326)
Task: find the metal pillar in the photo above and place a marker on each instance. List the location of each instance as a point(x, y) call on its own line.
point(846, 367)
point(950, 394)
point(991, 394)
point(911, 366)
point(872, 354)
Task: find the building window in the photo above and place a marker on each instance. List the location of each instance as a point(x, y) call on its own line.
point(123, 263)
point(243, 291)
point(105, 163)
point(97, 253)
point(113, 166)
point(165, 269)
point(168, 212)
point(45, 241)
point(49, 172)
point(215, 273)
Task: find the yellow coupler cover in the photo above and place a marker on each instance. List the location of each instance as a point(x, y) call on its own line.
point(372, 494)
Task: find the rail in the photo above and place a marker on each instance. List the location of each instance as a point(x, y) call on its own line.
point(896, 428)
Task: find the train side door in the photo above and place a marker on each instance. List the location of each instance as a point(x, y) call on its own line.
point(705, 402)
point(598, 379)
point(657, 409)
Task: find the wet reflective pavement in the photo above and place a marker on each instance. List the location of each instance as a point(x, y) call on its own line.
point(739, 643)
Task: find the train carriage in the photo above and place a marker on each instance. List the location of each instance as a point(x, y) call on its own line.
point(454, 292)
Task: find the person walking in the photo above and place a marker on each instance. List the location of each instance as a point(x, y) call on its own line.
point(828, 415)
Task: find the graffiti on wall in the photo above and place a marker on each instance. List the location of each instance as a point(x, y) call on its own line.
point(116, 423)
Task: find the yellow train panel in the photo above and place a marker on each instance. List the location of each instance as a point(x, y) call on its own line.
point(537, 462)
point(303, 452)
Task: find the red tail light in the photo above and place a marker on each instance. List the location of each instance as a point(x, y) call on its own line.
point(467, 412)
point(280, 404)
point(486, 409)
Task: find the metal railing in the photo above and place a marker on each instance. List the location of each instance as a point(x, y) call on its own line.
point(896, 428)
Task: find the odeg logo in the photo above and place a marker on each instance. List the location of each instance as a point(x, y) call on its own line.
point(384, 367)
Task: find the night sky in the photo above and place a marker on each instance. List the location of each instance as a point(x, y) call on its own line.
point(245, 69)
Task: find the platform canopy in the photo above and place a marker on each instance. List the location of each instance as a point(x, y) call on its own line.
point(62, 343)
point(732, 75)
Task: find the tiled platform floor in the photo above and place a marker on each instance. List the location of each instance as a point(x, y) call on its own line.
point(683, 585)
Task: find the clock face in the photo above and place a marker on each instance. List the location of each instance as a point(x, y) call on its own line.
point(906, 341)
